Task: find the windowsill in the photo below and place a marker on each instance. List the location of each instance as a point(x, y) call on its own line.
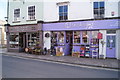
point(16, 22)
point(62, 20)
point(31, 20)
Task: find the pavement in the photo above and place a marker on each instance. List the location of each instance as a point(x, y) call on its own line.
point(93, 62)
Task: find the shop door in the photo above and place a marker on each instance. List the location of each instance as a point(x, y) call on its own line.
point(22, 42)
point(111, 41)
point(68, 43)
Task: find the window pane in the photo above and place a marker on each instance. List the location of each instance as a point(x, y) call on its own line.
point(101, 4)
point(54, 38)
point(61, 37)
point(111, 31)
point(95, 4)
point(14, 40)
point(113, 43)
point(61, 9)
point(61, 14)
point(96, 11)
point(84, 37)
point(66, 8)
point(101, 11)
point(108, 41)
point(94, 39)
point(60, 17)
point(65, 17)
point(76, 36)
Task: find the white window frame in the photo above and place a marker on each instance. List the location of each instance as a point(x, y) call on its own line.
point(16, 18)
point(99, 16)
point(67, 3)
point(28, 12)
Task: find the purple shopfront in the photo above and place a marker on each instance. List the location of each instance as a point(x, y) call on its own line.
point(80, 36)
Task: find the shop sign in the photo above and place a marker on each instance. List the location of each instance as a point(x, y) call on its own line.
point(86, 25)
point(22, 29)
point(83, 25)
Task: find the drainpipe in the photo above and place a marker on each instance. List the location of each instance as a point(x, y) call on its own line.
point(7, 25)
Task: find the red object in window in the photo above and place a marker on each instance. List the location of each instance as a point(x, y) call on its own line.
point(100, 35)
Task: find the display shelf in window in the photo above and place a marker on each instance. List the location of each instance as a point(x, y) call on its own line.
point(95, 53)
point(87, 51)
point(82, 51)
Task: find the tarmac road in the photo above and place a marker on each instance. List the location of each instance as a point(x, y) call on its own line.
point(14, 67)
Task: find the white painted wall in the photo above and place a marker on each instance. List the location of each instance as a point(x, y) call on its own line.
point(23, 11)
point(118, 44)
point(111, 6)
point(47, 10)
point(100, 45)
point(78, 9)
point(47, 41)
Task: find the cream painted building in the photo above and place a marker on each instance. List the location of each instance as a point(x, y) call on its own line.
point(2, 33)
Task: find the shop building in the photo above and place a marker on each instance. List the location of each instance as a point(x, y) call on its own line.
point(25, 24)
point(24, 36)
point(85, 37)
point(2, 34)
point(73, 29)
point(85, 27)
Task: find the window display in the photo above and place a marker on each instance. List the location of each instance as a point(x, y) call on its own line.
point(61, 37)
point(33, 39)
point(84, 37)
point(54, 38)
point(14, 40)
point(76, 36)
point(94, 39)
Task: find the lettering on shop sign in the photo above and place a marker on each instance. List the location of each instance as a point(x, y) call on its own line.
point(80, 24)
point(115, 24)
point(21, 29)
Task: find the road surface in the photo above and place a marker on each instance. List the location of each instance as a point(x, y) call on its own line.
point(14, 67)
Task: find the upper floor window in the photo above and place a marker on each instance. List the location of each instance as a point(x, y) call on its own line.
point(63, 12)
point(16, 14)
point(99, 9)
point(31, 12)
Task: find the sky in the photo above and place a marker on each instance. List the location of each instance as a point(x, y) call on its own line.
point(3, 9)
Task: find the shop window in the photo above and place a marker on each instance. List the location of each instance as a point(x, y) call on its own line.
point(61, 37)
point(33, 39)
point(76, 36)
point(84, 37)
point(14, 40)
point(111, 31)
point(54, 38)
point(94, 39)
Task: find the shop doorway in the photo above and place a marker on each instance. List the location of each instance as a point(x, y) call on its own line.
point(68, 42)
point(111, 46)
point(22, 42)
